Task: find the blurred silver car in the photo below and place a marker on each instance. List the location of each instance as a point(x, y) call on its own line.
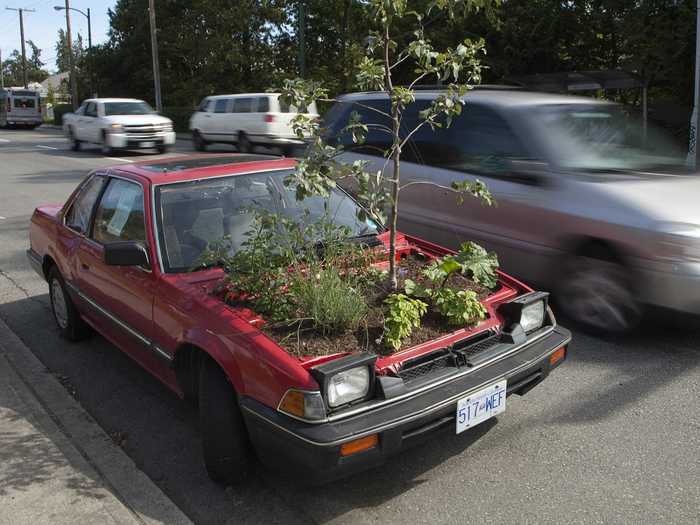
point(590, 204)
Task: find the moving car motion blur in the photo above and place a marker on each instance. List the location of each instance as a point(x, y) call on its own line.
point(118, 123)
point(246, 120)
point(591, 204)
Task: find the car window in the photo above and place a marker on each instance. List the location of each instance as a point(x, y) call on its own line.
point(78, 216)
point(203, 105)
point(373, 113)
point(80, 110)
point(119, 216)
point(91, 110)
point(128, 108)
point(242, 105)
point(478, 141)
point(220, 106)
point(263, 105)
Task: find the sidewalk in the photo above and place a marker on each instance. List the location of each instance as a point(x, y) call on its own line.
point(57, 465)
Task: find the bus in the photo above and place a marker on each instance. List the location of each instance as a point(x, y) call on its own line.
point(20, 107)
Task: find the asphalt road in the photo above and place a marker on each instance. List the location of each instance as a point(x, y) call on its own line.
point(612, 437)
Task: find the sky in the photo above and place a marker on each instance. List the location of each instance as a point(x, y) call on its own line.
point(42, 25)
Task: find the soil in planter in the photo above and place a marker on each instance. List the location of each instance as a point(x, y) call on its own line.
point(303, 341)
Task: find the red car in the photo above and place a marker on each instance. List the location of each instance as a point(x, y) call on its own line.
point(118, 254)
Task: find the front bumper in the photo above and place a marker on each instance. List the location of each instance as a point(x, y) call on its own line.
point(672, 285)
point(312, 451)
point(134, 141)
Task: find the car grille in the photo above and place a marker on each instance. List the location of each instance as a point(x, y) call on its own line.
point(145, 132)
point(448, 358)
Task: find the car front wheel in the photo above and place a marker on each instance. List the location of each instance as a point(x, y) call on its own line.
point(244, 145)
point(74, 143)
point(106, 148)
point(225, 445)
point(198, 141)
point(67, 318)
point(598, 295)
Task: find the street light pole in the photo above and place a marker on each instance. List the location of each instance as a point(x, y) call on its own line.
point(89, 24)
point(691, 161)
point(71, 62)
point(154, 52)
point(21, 33)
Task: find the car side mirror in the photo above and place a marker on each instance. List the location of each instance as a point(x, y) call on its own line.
point(126, 253)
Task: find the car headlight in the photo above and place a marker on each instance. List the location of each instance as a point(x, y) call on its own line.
point(528, 311)
point(346, 380)
point(346, 387)
point(679, 241)
point(115, 128)
point(303, 404)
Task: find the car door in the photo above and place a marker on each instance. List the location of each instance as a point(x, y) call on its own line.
point(120, 297)
point(480, 144)
point(87, 123)
point(218, 121)
point(242, 118)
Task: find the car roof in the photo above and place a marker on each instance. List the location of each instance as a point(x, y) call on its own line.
point(494, 97)
point(202, 166)
point(214, 97)
point(113, 100)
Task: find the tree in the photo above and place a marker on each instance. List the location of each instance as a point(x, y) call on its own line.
point(460, 66)
point(12, 67)
point(62, 58)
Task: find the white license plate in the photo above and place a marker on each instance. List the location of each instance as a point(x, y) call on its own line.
point(148, 144)
point(481, 405)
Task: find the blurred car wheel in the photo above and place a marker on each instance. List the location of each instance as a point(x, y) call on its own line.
point(597, 294)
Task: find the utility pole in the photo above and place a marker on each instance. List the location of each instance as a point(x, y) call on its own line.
point(154, 52)
point(71, 62)
point(301, 16)
point(2, 72)
point(21, 34)
point(691, 161)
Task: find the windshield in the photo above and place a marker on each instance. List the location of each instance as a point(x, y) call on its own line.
point(602, 137)
point(195, 215)
point(127, 108)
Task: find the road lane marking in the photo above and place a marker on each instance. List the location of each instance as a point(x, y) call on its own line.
point(45, 147)
point(2, 218)
point(4, 140)
point(120, 160)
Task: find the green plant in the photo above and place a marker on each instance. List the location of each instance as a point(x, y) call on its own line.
point(403, 315)
point(478, 264)
point(329, 302)
point(58, 111)
point(457, 67)
point(459, 307)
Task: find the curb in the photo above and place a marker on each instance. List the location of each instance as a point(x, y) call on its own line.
point(146, 503)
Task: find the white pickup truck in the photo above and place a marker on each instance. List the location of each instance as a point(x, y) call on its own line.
point(118, 123)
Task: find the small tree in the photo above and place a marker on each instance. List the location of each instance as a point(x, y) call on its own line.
point(459, 68)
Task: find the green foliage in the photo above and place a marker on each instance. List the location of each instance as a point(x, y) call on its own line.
point(331, 303)
point(459, 307)
point(403, 315)
point(478, 264)
point(284, 270)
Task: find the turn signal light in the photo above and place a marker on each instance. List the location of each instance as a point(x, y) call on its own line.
point(293, 403)
point(359, 445)
point(557, 356)
point(269, 118)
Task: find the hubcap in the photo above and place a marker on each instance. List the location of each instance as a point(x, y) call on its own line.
point(58, 302)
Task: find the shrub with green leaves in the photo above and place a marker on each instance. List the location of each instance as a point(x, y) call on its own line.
point(403, 315)
point(459, 307)
point(328, 302)
point(477, 264)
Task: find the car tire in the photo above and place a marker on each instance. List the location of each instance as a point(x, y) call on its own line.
point(74, 143)
point(198, 141)
point(106, 149)
point(243, 144)
point(163, 149)
point(597, 293)
point(225, 446)
point(65, 314)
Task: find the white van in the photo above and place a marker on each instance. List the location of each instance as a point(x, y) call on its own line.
point(20, 107)
point(247, 120)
